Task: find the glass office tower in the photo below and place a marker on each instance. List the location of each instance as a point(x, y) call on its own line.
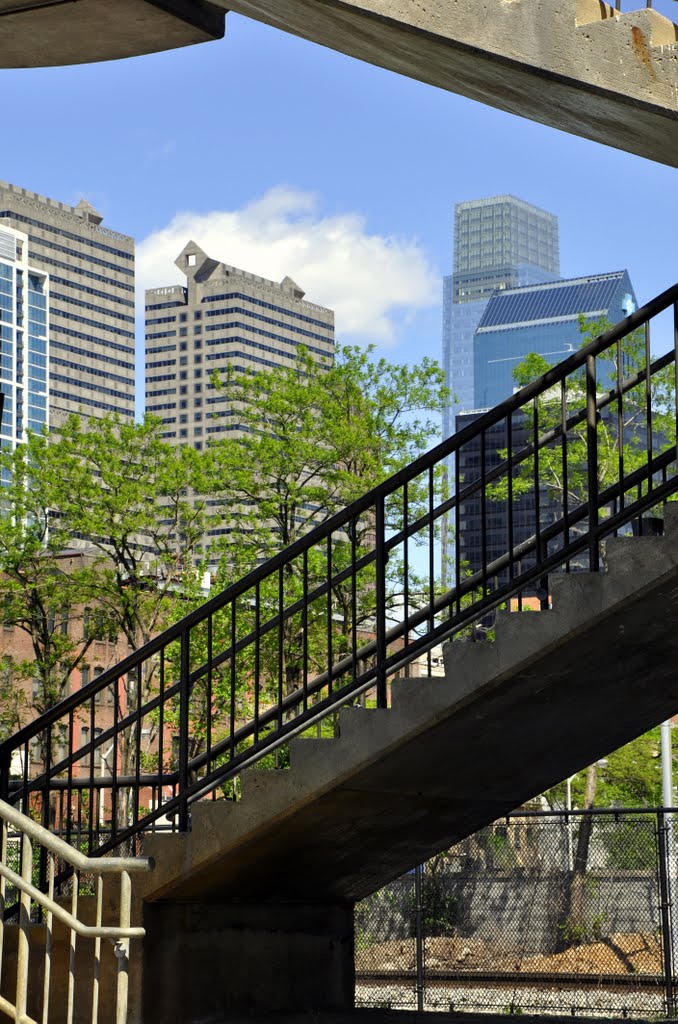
point(502, 242)
point(542, 319)
point(24, 346)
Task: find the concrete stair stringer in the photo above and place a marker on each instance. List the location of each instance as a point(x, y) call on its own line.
point(509, 719)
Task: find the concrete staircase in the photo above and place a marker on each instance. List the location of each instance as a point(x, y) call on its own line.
point(274, 877)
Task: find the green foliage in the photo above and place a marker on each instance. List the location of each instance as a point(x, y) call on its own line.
point(41, 590)
point(577, 932)
point(631, 778)
point(13, 701)
point(311, 442)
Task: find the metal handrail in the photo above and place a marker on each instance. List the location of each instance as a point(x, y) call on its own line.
point(66, 852)
point(446, 449)
point(53, 852)
point(229, 633)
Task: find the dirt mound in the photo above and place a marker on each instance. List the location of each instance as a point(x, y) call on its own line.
point(620, 953)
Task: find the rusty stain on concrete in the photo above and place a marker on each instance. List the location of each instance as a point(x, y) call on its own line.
point(641, 49)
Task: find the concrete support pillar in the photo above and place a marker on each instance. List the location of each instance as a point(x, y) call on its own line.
point(211, 961)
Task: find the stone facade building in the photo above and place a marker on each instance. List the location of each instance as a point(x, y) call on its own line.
point(91, 328)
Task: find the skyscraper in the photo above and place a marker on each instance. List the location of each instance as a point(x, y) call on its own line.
point(222, 317)
point(541, 318)
point(91, 291)
point(24, 329)
point(502, 242)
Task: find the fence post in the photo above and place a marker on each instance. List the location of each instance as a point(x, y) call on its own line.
point(665, 909)
point(419, 937)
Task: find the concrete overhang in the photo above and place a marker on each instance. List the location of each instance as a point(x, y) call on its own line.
point(42, 33)
point(577, 65)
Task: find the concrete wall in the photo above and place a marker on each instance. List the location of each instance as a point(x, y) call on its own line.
point(222, 960)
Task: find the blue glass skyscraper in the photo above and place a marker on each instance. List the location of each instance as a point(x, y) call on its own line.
point(499, 243)
point(543, 319)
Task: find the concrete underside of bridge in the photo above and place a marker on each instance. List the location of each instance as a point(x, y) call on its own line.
point(46, 33)
point(267, 885)
point(577, 65)
point(573, 64)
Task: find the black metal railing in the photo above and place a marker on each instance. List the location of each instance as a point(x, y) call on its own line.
point(532, 487)
point(513, 921)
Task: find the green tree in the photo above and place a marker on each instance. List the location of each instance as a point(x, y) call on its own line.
point(621, 427)
point(133, 498)
point(42, 585)
point(311, 440)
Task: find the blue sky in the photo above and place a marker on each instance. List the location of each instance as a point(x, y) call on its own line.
point(310, 163)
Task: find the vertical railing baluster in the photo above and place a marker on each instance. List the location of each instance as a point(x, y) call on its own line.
point(304, 628)
point(536, 482)
point(69, 777)
point(234, 680)
point(406, 565)
point(675, 375)
point(99, 883)
point(93, 808)
point(49, 939)
point(3, 886)
point(431, 560)
point(113, 755)
point(184, 727)
point(620, 429)
point(483, 514)
point(648, 406)
point(137, 747)
point(354, 599)
point(592, 462)
point(122, 949)
point(257, 658)
point(70, 1007)
point(457, 531)
point(564, 466)
point(208, 698)
point(24, 935)
point(380, 598)
point(161, 726)
point(509, 495)
point(281, 648)
point(330, 620)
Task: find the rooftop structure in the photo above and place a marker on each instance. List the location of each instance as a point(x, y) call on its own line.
point(541, 318)
point(223, 317)
point(91, 325)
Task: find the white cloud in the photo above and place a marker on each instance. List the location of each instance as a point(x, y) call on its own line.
point(373, 282)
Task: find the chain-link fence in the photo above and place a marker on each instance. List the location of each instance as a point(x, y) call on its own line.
point(563, 913)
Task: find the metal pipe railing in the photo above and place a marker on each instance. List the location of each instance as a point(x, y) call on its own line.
point(338, 613)
point(30, 843)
